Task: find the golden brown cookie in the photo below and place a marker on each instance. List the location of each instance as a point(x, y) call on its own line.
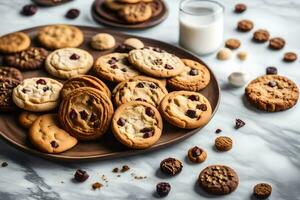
point(135, 13)
point(276, 43)
point(272, 93)
point(14, 42)
point(60, 36)
point(223, 143)
point(194, 77)
point(103, 41)
point(290, 57)
point(262, 190)
point(139, 88)
point(86, 113)
point(261, 36)
point(197, 155)
point(46, 135)
point(137, 125)
point(26, 119)
point(245, 25)
point(232, 43)
point(186, 109)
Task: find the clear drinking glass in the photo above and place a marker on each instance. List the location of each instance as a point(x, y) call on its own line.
point(201, 25)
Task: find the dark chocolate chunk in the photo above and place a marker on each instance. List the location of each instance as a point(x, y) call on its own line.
point(54, 144)
point(202, 107)
point(239, 123)
point(41, 82)
point(191, 113)
point(163, 189)
point(194, 72)
point(72, 13)
point(74, 56)
point(194, 98)
point(81, 175)
point(121, 121)
point(29, 9)
point(149, 112)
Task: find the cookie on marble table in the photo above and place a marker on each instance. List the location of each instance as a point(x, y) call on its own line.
point(197, 154)
point(68, 62)
point(29, 59)
point(84, 81)
point(272, 93)
point(135, 13)
point(186, 109)
point(223, 143)
point(14, 42)
point(60, 36)
point(194, 77)
point(86, 113)
point(139, 88)
point(26, 118)
point(115, 67)
point(37, 94)
point(218, 179)
point(245, 25)
point(103, 41)
point(46, 135)
point(137, 125)
point(156, 62)
point(6, 90)
point(262, 190)
point(10, 73)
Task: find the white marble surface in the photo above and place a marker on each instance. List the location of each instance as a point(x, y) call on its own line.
point(266, 149)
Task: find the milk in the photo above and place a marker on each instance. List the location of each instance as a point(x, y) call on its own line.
point(201, 27)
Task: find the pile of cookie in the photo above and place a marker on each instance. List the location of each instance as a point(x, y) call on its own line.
point(134, 11)
point(74, 105)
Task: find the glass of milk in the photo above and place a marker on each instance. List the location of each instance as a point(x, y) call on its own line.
point(201, 25)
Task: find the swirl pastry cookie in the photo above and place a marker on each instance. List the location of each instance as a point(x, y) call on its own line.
point(272, 93)
point(46, 135)
point(60, 36)
point(86, 113)
point(14, 42)
point(84, 81)
point(69, 62)
point(194, 77)
point(139, 88)
point(37, 94)
point(137, 125)
point(156, 62)
point(6, 90)
point(186, 109)
point(115, 67)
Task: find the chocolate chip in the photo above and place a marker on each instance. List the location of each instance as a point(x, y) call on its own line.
point(171, 166)
point(148, 132)
point(218, 131)
point(202, 107)
point(194, 98)
point(93, 117)
point(167, 66)
point(146, 129)
point(46, 89)
point(41, 82)
point(81, 175)
point(115, 170)
point(73, 114)
point(140, 99)
point(114, 66)
point(54, 144)
point(194, 72)
point(125, 168)
point(196, 151)
point(74, 56)
point(111, 61)
point(191, 113)
point(4, 164)
point(239, 123)
point(163, 189)
point(121, 121)
point(124, 48)
point(114, 58)
point(271, 70)
point(149, 112)
point(124, 70)
point(29, 9)
point(72, 13)
point(140, 85)
point(24, 90)
point(272, 83)
point(83, 114)
point(153, 86)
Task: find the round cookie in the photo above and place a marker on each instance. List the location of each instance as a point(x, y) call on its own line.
point(26, 118)
point(134, 43)
point(245, 25)
point(261, 36)
point(60, 36)
point(84, 81)
point(69, 62)
point(171, 166)
point(10, 73)
point(86, 113)
point(223, 143)
point(272, 93)
point(6, 91)
point(186, 109)
point(103, 41)
point(14, 42)
point(46, 135)
point(32, 58)
point(262, 190)
point(114, 5)
point(37, 94)
point(290, 57)
point(137, 125)
point(194, 77)
point(139, 88)
point(218, 179)
point(114, 67)
point(156, 62)
point(276, 43)
point(136, 13)
point(232, 43)
point(197, 155)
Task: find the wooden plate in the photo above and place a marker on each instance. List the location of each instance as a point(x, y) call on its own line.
point(107, 146)
point(50, 2)
point(104, 16)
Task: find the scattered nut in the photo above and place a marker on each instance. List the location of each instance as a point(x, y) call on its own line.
point(224, 54)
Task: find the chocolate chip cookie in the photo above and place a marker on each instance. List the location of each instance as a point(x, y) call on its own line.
point(86, 113)
point(46, 135)
point(171, 166)
point(26, 118)
point(218, 179)
point(245, 25)
point(272, 93)
point(261, 36)
point(276, 43)
point(139, 88)
point(135, 13)
point(32, 58)
point(115, 67)
point(6, 90)
point(197, 155)
point(137, 125)
point(194, 77)
point(14, 42)
point(156, 62)
point(10, 73)
point(186, 109)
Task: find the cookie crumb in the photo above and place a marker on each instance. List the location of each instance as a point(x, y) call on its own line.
point(115, 170)
point(239, 123)
point(242, 55)
point(218, 131)
point(81, 175)
point(125, 168)
point(97, 185)
point(4, 164)
point(118, 175)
